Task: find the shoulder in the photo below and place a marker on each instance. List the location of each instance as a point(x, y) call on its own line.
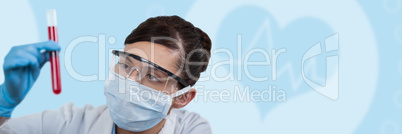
point(190, 122)
point(184, 116)
point(73, 119)
point(70, 108)
point(67, 119)
point(87, 119)
point(70, 112)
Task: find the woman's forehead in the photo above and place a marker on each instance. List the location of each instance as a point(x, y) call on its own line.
point(156, 53)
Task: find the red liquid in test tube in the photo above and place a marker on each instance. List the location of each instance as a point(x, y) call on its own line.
point(54, 55)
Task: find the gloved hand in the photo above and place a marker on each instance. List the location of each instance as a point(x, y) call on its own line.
point(21, 69)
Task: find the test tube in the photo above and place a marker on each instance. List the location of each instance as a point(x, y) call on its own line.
point(54, 55)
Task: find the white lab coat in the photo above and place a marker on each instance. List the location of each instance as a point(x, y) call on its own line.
point(96, 120)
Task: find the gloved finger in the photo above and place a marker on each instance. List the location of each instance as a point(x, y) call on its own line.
point(22, 56)
point(33, 61)
point(35, 70)
point(42, 57)
point(34, 56)
point(14, 59)
point(17, 54)
point(45, 58)
point(47, 45)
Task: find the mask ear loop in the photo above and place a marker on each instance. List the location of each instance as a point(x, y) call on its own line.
point(182, 91)
point(172, 87)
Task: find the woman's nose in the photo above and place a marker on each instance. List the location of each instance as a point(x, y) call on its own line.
point(134, 75)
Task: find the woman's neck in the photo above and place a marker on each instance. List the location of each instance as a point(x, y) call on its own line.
point(153, 130)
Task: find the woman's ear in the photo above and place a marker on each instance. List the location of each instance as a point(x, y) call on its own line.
point(184, 99)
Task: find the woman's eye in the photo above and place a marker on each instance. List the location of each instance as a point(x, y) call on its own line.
point(152, 77)
point(123, 65)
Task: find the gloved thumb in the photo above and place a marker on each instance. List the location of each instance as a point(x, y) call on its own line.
point(45, 58)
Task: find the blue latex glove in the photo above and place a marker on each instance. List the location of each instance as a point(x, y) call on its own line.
point(21, 69)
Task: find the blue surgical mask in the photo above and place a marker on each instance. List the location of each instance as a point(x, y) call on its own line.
point(135, 107)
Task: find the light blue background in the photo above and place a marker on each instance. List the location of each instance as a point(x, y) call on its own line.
point(378, 109)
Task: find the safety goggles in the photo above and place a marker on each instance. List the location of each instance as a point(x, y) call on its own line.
point(145, 72)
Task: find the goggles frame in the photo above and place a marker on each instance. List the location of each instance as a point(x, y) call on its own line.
point(170, 74)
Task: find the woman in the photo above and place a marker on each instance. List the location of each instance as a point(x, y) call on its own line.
point(147, 84)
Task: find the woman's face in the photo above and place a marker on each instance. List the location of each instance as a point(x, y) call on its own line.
point(156, 53)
